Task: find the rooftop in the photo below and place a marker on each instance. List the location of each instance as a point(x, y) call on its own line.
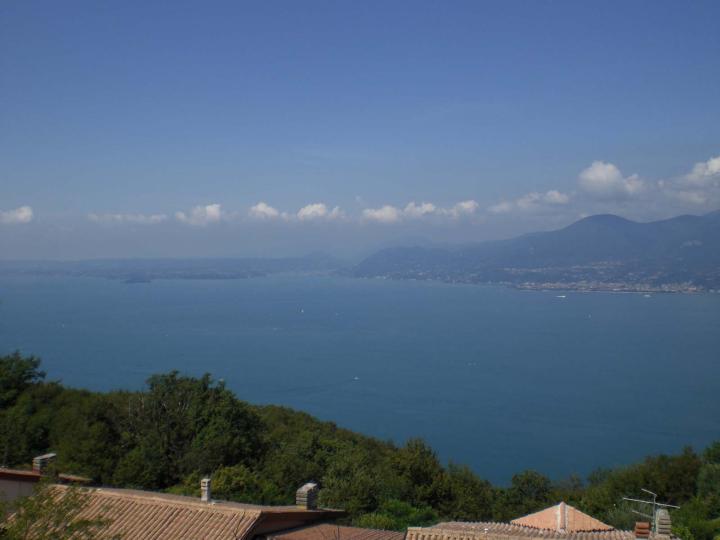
point(562, 517)
point(327, 531)
point(143, 515)
point(559, 522)
point(34, 476)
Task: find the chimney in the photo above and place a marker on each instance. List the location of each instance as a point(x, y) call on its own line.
point(42, 464)
point(306, 496)
point(663, 525)
point(642, 530)
point(205, 490)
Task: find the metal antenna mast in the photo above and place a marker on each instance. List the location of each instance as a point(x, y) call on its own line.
point(652, 503)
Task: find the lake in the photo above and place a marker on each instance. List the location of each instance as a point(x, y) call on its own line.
point(500, 379)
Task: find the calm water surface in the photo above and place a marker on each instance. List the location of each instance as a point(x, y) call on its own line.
point(502, 380)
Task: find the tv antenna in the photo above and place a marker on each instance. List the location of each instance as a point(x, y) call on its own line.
point(655, 505)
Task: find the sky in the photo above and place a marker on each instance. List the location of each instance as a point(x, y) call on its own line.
point(269, 128)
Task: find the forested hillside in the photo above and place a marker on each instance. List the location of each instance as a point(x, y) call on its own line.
point(180, 428)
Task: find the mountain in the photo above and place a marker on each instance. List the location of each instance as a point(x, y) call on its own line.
point(597, 252)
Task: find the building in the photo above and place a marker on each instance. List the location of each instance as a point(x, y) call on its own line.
point(559, 522)
point(330, 531)
point(16, 483)
point(144, 515)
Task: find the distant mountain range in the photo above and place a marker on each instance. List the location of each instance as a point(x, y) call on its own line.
point(602, 252)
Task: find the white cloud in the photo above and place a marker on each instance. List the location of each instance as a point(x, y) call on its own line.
point(555, 197)
point(464, 208)
point(385, 214)
point(700, 187)
point(139, 219)
point(413, 210)
point(531, 201)
point(263, 211)
point(692, 197)
point(605, 181)
point(316, 211)
point(201, 215)
point(534, 199)
point(23, 214)
point(705, 173)
point(501, 208)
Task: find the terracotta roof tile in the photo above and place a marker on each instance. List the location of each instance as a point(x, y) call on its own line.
point(327, 531)
point(506, 531)
point(141, 515)
point(562, 517)
point(19, 474)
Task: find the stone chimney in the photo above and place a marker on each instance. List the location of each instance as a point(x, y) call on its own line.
point(663, 525)
point(306, 496)
point(42, 464)
point(205, 490)
point(642, 530)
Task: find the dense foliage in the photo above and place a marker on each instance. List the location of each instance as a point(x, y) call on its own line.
point(180, 428)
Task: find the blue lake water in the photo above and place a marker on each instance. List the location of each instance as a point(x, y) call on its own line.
point(500, 379)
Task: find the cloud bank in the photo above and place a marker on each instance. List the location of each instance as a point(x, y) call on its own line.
point(201, 215)
point(415, 211)
point(23, 214)
point(600, 187)
point(316, 211)
point(531, 201)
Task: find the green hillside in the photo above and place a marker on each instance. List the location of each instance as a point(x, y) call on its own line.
point(180, 428)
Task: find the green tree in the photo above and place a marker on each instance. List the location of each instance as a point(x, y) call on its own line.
point(398, 515)
point(419, 468)
point(529, 492)
point(465, 496)
point(182, 425)
point(16, 374)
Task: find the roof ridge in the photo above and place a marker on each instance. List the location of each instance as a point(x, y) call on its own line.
point(152, 497)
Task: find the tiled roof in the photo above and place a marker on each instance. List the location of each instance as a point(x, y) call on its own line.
point(506, 531)
point(35, 476)
point(327, 531)
point(562, 517)
point(19, 474)
point(141, 515)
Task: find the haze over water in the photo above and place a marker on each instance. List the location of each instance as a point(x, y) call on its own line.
point(500, 379)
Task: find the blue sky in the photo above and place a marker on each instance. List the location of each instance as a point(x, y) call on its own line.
point(157, 128)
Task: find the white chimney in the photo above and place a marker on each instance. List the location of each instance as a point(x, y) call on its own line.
point(663, 525)
point(205, 490)
point(306, 496)
point(42, 463)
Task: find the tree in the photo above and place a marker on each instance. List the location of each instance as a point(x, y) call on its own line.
point(16, 374)
point(51, 513)
point(183, 425)
point(529, 491)
point(398, 515)
point(465, 496)
point(418, 466)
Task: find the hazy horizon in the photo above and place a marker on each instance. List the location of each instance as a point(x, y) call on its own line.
point(344, 255)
